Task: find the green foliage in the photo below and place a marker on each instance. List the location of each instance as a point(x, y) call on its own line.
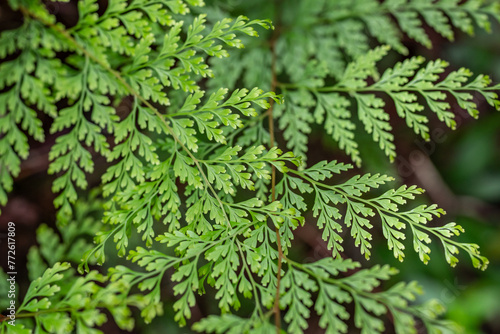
point(358, 211)
point(60, 301)
point(195, 191)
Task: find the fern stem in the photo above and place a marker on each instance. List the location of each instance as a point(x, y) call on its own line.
point(274, 84)
point(375, 89)
point(36, 314)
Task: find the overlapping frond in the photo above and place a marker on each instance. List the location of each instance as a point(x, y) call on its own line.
point(193, 192)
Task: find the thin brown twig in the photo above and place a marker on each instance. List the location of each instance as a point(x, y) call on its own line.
point(274, 82)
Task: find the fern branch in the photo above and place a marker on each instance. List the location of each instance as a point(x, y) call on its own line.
point(132, 91)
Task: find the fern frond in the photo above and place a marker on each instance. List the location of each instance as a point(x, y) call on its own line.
point(404, 84)
point(192, 192)
point(360, 210)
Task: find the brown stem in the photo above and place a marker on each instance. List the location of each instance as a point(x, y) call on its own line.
point(36, 314)
point(274, 82)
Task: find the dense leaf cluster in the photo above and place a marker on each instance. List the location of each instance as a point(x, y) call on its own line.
point(195, 191)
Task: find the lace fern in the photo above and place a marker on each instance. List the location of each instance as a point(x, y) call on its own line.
point(192, 191)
